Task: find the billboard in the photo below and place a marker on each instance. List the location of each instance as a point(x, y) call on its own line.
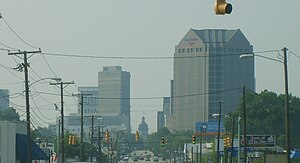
point(208, 128)
point(259, 140)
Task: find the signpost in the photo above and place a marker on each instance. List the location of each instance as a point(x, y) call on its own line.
point(210, 129)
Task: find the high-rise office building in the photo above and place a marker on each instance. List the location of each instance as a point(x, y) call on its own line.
point(208, 68)
point(90, 100)
point(114, 93)
point(4, 99)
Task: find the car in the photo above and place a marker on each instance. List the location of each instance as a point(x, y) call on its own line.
point(148, 159)
point(135, 159)
point(155, 159)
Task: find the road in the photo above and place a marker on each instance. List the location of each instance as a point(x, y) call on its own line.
point(140, 156)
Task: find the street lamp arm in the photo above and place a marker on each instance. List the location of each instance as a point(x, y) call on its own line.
point(257, 55)
point(56, 79)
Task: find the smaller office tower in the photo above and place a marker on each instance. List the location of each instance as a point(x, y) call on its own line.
point(90, 100)
point(114, 93)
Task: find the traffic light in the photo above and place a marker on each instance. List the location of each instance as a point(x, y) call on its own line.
point(73, 140)
point(137, 135)
point(222, 7)
point(107, 136)
point(194, 139)
point(227, 142)
point(70, 139)
point(162, 143)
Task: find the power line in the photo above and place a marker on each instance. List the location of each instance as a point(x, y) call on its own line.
point(295, 54)
point(49, 65)
point(149, 98)
point(9, 47)
point(147, 57)
point(18, 35)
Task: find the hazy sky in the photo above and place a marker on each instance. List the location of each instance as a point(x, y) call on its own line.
point(127, 28)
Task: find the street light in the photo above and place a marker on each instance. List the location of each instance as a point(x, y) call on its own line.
point(55, 79)
point(219, 124)
point(287, 123)
point(232, 135)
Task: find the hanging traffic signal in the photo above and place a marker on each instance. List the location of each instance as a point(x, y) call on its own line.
point(162, 143)
point(194, 139)
point(137, 135)
point(73, 139)
point(70, 139)
point(107, 136)
point(222, 7)
point(227, 142)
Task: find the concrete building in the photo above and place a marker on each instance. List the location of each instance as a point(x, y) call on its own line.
point(114, 94)
point(13, 144)
point(161, 115)
point(4, 99)
point(90, 100)
point(208, 68)
point(160, 120)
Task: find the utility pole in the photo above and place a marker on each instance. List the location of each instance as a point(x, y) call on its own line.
point(232, 139)
point(287, 114)
point(92, 135)
point(61, 83)
point(239, 139)
point(99, 142)
point(58, 139)
point(245, 126)
point(81, 123)
point(219, 125)
point(25, 65)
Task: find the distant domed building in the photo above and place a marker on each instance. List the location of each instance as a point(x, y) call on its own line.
point(143, 128)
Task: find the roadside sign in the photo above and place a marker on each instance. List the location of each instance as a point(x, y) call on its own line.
point(208, 128)
point(259, 140)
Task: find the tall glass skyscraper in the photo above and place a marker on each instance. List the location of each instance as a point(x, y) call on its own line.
point(207, 68)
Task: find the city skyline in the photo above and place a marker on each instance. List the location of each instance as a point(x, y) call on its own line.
point(131, 29)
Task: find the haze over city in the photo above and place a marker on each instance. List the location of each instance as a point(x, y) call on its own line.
point(105, 33)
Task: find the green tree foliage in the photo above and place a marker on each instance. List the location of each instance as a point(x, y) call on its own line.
point(266, 115)
point(174, 141)
point(9, 114)
point(43, 134)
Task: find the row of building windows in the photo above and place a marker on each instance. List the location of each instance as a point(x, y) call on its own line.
point(192, 50)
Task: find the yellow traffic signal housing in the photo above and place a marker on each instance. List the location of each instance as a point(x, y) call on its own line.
point(222, 7)
point(107, 135)
point(73, 139)
point(137, 135)
point(194, 139)
point(70, 139)
point(162, 143)
point(227, 142)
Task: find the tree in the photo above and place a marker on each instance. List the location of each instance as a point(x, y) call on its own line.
point(265, 115)
point(9, 114)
